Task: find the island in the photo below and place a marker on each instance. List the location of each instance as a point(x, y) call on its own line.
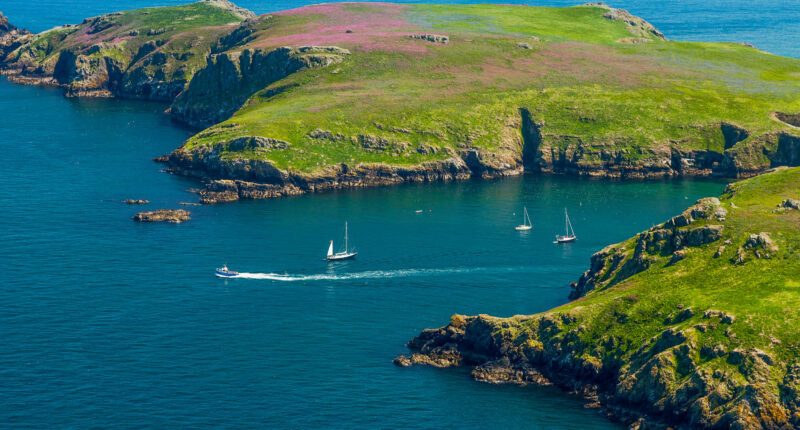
point(351, 95)
point(691, 323)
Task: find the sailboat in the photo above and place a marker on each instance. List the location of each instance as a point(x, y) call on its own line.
point(342, 255)
point(526, 222)
point(569, 233)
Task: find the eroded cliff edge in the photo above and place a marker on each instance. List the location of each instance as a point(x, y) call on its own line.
point(685, 325)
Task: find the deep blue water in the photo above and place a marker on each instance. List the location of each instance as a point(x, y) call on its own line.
point(770, 25)
point(107, 322)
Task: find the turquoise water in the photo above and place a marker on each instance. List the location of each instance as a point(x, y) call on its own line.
point(107, 322)
point(104, 321)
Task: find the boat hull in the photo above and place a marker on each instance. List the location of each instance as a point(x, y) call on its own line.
point(522, 228)
point(562, 239)
point(339, 257)
point(227, 274)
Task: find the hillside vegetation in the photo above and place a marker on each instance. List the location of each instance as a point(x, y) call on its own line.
point(689, 323)
point(359, 94)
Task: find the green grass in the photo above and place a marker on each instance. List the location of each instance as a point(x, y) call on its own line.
point(586, 89)
point(579, 82)
point(178, 18)
point(185, 34)
point(657, 356)
point(762, 293)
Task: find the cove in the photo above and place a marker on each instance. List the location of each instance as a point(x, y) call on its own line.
point(107, 322)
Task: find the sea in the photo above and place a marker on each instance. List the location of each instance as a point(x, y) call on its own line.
point(105, 322)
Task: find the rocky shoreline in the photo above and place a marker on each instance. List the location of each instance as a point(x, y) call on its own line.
point(264, 181)
point(650, 362)
point(228, 180)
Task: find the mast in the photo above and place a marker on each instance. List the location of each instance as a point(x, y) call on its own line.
point(345, 236)
point(569, 227)
point(566, 222)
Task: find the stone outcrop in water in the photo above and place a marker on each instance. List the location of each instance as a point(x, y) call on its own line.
point(163, 215)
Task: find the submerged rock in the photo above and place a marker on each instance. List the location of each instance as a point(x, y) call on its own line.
point(163, 215)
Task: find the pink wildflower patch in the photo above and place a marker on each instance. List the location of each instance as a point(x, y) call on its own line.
point(370, 27)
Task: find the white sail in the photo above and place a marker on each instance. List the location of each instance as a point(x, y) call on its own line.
point(570, 230)
point(330, 249)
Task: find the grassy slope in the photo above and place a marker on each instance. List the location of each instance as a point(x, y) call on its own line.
point(761, 293)
point(186, 31)
point(706, 341)
point(578, 81)
point(615, 324)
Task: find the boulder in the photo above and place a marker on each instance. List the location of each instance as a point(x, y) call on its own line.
point(436, 38)
point(163, 215)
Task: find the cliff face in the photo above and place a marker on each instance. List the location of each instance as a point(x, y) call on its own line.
point(229, 179)
point(682, 326)
point(228, 80)
point(141, 54)
point(11, 37)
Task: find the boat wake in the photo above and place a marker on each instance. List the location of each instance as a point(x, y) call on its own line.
point(376, 274)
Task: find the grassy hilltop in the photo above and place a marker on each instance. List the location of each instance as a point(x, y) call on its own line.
point(589, 85)
point(689, 323)
point(143, 53)
point(358, 94)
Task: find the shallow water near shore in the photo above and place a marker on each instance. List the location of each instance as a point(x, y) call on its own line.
point(104, 321)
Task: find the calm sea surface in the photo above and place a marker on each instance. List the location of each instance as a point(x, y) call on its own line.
point(106, 322)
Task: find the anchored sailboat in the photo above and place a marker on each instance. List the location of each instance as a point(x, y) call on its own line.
point(526, 222)
point(569, 233)
point(343, 255)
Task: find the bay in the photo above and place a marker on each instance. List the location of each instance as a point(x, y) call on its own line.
point(106, 322)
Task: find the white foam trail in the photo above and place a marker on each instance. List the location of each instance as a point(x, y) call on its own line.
point(374, 274)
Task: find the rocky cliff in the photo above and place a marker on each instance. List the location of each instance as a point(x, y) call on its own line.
point(142, 54)
point(686, 325)
point(11, 37)
point(229, 79)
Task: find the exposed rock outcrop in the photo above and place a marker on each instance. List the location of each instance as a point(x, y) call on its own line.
point(229, 79)
point(636, 25)
point(617, 262)
point(232, 8)
point(548, 349)
point(435, 38)
point(163, 215)
point(758, 245)
point(10, 37)
point(266, 181)
point(136, 201)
